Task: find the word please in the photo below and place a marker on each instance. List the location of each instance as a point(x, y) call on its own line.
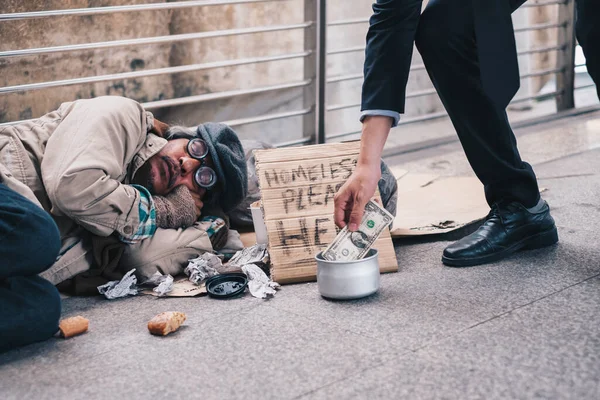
point(297, 199)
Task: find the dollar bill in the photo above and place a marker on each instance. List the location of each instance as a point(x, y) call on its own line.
point(348, 246)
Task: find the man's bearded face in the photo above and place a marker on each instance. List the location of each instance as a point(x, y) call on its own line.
point(172, 166)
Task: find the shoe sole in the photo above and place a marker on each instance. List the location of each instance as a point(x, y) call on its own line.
point(538, 241)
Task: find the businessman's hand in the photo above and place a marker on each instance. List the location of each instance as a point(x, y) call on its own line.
point(352, 197)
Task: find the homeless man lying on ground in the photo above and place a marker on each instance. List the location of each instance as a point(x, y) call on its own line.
point(103, 173)
point(120, 189)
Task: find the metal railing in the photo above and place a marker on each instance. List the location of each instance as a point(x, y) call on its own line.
point(564, 70)
point(314, 85)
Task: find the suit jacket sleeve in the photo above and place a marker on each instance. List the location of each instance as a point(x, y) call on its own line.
point(390, 41)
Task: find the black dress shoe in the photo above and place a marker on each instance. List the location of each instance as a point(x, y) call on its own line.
point(509, 227)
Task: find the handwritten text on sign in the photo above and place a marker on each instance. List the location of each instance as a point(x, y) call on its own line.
point(304, 233)
point(296, 173)
point(303, 189)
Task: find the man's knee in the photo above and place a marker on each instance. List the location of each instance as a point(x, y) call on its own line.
point(30, 237)
point(31, 307)
point(45, 237)
point(441, 26)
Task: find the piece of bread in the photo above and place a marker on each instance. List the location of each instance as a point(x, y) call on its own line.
point(73, 326)
point(166, 322)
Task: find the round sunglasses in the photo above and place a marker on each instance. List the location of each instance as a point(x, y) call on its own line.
point(205, 176)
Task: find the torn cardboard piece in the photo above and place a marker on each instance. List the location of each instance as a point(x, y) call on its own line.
point(438, 206)
point(410, 181)
point(431, 205)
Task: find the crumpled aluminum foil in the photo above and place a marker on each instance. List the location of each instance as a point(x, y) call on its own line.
point(164, 284)
point(201, 268)
point(123, 288)
point(259, 284)
point(154, 280)
point(256, 254)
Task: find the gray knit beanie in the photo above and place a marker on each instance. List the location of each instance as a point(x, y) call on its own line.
point(229, 162)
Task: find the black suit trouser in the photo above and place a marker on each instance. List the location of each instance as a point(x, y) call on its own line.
point(587, 28)
point(446, 40)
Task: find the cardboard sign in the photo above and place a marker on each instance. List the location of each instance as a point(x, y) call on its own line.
point(298, 185)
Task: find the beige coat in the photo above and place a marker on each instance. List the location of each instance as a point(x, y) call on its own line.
point(76, 163)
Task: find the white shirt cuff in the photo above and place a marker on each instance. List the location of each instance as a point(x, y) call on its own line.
point(384, 113)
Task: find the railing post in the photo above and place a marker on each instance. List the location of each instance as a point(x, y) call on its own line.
point(314, 69)
point(321, 79)
point(310, 70)
point(565, 58)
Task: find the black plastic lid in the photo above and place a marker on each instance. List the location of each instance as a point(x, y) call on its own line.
point(226, 286)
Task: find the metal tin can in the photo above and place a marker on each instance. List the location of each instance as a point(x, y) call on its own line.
point(348, 279)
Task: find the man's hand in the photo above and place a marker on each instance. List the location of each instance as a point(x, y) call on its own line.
point(198, 203)
point(352, 197)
